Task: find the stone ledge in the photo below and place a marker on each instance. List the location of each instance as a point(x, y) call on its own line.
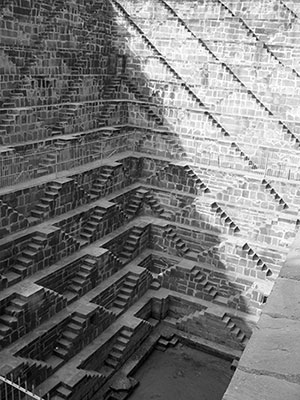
point(269, 367)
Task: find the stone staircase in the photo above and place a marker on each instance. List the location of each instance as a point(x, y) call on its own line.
point(235, 331)
point(46, 205)
point(90, 228)
point(12, 319)
point(101, 185)
point(81, 382)
point(38, 368)
point(130, 248)
point(49, 162)
point(67, 113)
point(149, 44)
point(128, 290)
point(175, 149)
point(152, 114)
point(11, 220)
point(116, 355)
point(64, 347)
point(82, 281)
point(268, 186)
point(155, 206)
point(180, 246)
point(114, 259)
point(252, 97)
point(227, 221)
point(24, 263)
point(260, 265)
point(136, 202)
point(205, 316)
point(190, 173)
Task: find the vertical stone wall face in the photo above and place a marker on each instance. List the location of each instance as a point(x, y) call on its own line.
point(144, 144)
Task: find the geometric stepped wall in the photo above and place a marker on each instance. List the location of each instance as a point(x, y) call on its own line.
point(149, 150)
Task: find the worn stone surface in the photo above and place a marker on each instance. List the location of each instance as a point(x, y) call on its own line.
point(149, 169)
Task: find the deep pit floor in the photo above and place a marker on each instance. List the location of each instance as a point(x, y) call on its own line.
point(182, 373)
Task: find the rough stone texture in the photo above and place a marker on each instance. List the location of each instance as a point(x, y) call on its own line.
point(149, 169)
point(270, 358)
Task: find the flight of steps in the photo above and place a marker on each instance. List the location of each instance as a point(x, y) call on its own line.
point(260, 265)
point(234, 330)
point(209, 290)
point(106, 114)
point(81, 382)
point(49, 162)
point(156, 206)
point(194, 316)
point(174, 148)
point(115, 356)
point(225, 217)
point(66, 115)
point(131, 245)
point(46, 204)
point(90, 227)
point(12, 318)
point(26, 260)
point(82, 281)
point(197, 181)
point(136, 202)
point(115, 260)
point(11, 220)
point(64, 347)
point(268, 186)
point(205, 316)
point(125, 293)
point(169, 69)
point(101, 184)
point(180, 246)
point(143, 98)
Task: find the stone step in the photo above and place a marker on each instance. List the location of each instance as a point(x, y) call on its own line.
point(76, 319)
point(75, 328)
point(116, 355)
point(9, 320)
point(39, 240)
point(122, 340)
point(34, 247)
point(83, 275)
point(5, 330)
point(29, 253)
point(12, 278)
point(75, 288)
point(129, 284)
point(20, 269)
point(119, 348)
point(123, 297)
point(126, 333)
point(111, 362)
point(64, 392)
point(132, 278)
point(64, 343)
point(126, 291)
point(78, 281)
point(24, 261)
point(119, 304)
point(69, 335)
point(13, 311)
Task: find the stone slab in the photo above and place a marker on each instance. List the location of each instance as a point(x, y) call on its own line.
point(245, 386)
point(272, 349)
point(285, 300)
point(291, 267)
